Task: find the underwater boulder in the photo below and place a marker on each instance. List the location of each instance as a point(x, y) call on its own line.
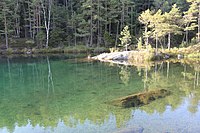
point(140, 99)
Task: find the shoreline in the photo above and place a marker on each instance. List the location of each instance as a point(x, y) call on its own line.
point(37, 51)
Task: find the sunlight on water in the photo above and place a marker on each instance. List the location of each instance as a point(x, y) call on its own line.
point(58, 94)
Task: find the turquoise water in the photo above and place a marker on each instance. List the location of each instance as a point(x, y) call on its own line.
point(72, 95)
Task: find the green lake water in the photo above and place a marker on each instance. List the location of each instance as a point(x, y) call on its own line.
point(71, 95)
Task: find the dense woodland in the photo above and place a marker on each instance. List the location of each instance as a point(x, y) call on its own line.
point(98, 23)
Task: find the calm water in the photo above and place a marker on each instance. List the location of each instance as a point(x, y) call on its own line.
point(70, 95)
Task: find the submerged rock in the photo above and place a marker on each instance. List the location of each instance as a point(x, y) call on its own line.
point(140, 99)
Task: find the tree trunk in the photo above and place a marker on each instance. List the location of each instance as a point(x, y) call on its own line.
point(91, 27)
point(199, 25)
point(66, 4)
point(39, 21)
point(17, 21)
point(186, 36)
point(131, 20)
point(122, 15)
point(75, 39)
point(156, 43)
point(47, 21)
point(6, 29)
point(110, 25)
point(117, 34)
point(98, 25)
point(168, 69)
point(17, 27)
point(169, 40)
point(147, 39)
point(74, 29)
point(29, 17)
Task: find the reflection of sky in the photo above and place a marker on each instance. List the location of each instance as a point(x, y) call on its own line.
point(86, 127)
point(177, 121)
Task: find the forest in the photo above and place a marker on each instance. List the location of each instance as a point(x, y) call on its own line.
point(98, 23)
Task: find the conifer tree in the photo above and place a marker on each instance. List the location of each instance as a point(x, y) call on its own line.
point(173, 20)
point(125, 37)
point(190, 20)
point(6, 16)
point(145, 18)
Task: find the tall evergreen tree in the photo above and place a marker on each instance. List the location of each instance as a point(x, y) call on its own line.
point(146, 18)
point(6, 15)
point(190, 19)
point(173, 20)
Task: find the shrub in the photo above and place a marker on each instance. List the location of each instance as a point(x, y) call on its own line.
point(100, 50)
point(113, 49)
point(9, 51)
point(29, 42)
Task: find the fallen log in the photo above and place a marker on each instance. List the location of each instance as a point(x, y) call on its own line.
point(140, 99)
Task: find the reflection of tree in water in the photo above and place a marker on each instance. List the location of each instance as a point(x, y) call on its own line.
point(180, 83)
point(125, 74)
point(47, 112)
point(27, 100)
point(194, 94)
point(50, 76)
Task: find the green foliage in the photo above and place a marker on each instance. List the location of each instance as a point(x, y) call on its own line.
point(194, 55)
point(159, 24)
point(56, 37)
point(100, 50)
point(40, 37)
point(125, 37)
point(113, 49)
point(189, 18)
point(77, 49)
point(194, 41)
point(139, 44)
point(96, 23)
point(30, 42)
point(124, 75)
point(149, 48)
point(109, 41)
point(142, 55)
point(9, 51)
point(183, 44)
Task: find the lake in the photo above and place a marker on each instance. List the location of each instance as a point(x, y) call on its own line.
point(68, 94)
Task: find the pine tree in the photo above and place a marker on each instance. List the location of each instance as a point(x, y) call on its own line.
point(145, 18)
point(84, 20)
point(6, 15)
point(195, 11)
point(125, 37)
point(173, 20)
point(156, 26)
point(190, 20)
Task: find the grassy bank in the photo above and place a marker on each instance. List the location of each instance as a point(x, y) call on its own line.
point(28, 46)
point(173, 53)
point(71, 49)
point(188, 52)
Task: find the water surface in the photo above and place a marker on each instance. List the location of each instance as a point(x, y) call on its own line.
point(66, 94)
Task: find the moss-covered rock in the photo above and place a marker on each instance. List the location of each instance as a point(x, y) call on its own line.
point(140, 99)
